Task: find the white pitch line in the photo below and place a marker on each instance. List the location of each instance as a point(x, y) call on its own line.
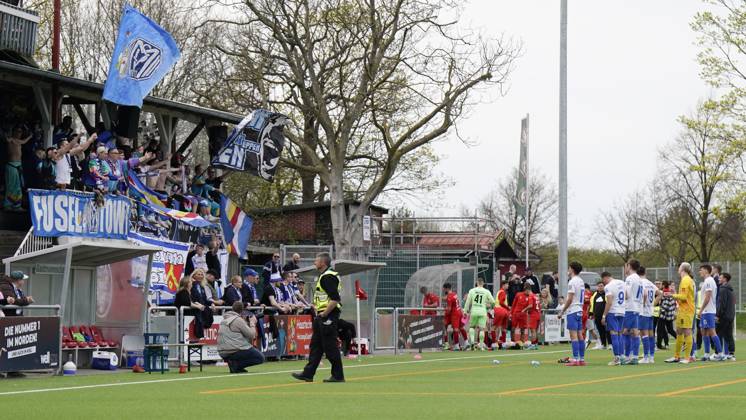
point(243, 375)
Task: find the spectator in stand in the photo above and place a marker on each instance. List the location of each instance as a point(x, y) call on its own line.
point(120, 167)
point(596, 313)
point(248, 289)
point(515, 287)
point(546, 299)
point(65, 159)
point(212, 284)
point(5, 300)
point(46, 168)
point(211, 256)
point(232, 292)
point(429, 300)
point(200, 295)
point(14, 169)
point(667, 316)
point(551, 282)
point(531, 279)
point(725, 316)
point(298, 286)
point(512, 270)
point(272, 269)
point(196, 259)
point(215, 182)
point(184, 299)
point(271, 298)
point(64, 130)
point(292, 264)
point(12, 289)
point(235, 336)
point(99, 170)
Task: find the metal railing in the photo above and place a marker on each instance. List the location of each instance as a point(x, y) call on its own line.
point(18, 29)
point(32, 243)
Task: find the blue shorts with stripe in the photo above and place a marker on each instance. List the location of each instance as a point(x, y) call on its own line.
point(645, 322)
point(575, 321)
point(630, 320)
point(614, 322)
point(707, 321)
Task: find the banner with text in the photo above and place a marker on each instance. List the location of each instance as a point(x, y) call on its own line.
point(555, 329)
point(168, 267)
point(74, 213)
point(420, 331)
point(29, 343)
point(284, 335)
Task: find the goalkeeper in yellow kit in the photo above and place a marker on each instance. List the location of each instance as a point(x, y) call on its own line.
point(685, 317)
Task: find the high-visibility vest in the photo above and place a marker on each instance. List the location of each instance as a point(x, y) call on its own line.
point(656, 311)
point(320, 298)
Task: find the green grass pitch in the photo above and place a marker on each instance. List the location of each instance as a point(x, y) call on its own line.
point(450, 385)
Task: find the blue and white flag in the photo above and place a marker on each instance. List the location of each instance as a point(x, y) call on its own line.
point(254, 145)
point(143, 54)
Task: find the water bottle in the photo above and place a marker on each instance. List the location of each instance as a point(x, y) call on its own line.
point(535, 363)
point(495, 362)
point(69, 368)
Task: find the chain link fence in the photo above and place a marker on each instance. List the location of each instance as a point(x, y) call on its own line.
point(734, 268)
point(402, 264)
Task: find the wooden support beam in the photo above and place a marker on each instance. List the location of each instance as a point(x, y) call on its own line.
point(190, 138)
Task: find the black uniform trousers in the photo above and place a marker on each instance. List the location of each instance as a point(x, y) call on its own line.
point(324, 342)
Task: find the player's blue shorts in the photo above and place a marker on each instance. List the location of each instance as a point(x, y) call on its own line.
point(614, 322)
point(631, 320)
point(645, 322)
point(707, 321)
point(575, 321)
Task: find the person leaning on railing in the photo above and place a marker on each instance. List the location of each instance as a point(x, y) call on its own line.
point(11, 288)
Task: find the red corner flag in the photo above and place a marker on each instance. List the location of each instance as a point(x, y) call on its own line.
point(359, 292)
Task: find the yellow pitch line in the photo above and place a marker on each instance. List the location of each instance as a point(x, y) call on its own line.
point(700, 388)
point(613, 378)
point(362, 378)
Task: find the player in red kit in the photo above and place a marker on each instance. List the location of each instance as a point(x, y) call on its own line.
point(519, 315)
point(453, 319)
point(586, 307)
point(501, 315)
point(429, 300)
point(534, 318)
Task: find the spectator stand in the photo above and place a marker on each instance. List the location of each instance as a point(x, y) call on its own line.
point(350, 272)
point(63, 271)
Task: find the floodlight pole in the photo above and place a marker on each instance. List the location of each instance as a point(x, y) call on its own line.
point(527, 193)
point(562, 257)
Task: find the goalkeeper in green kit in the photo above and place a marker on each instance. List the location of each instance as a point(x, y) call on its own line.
point(478, 302)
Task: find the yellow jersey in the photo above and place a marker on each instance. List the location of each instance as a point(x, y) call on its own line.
point(685, 297)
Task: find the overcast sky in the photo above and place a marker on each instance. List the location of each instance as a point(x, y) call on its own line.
point(631, 71)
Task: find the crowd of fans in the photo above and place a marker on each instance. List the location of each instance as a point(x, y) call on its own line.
point(101, 162)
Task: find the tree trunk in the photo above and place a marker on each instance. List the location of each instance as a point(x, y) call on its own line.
point(346, 225)
point(308, 179)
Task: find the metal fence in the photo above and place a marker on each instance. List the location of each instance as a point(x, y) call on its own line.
point(734, 268)
point(307, 253)
point(402, 263)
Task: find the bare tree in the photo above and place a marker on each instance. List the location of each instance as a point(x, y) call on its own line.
point(369, 84)
point(624, 227)
point(499, 208)
point(695, 175)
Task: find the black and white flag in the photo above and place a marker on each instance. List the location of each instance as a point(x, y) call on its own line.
point(254, 145)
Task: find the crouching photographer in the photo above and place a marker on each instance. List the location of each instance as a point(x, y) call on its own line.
point(234, 340)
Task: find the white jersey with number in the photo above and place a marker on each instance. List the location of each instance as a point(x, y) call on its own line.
point(634, 293)
point(615, 296)
point(709, 286)
point(648, 296)
point(576, 286)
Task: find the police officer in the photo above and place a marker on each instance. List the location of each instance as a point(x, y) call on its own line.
point(326, 303)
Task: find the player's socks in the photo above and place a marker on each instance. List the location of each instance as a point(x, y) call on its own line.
point(645, 349)
point(493, 334)
point(581, 349)
point(472, 334)
point(626, 345)
point(718, 346)
point(575, 350)
point(635, 346)
point(463, 333)
point(688, 345)
point(481, 337)
point(678, 347)
point(615, 345)
point(651, 343)
point(725, 347)
point(706, 342)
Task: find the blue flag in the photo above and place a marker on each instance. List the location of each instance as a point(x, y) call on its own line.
point(143, 54)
